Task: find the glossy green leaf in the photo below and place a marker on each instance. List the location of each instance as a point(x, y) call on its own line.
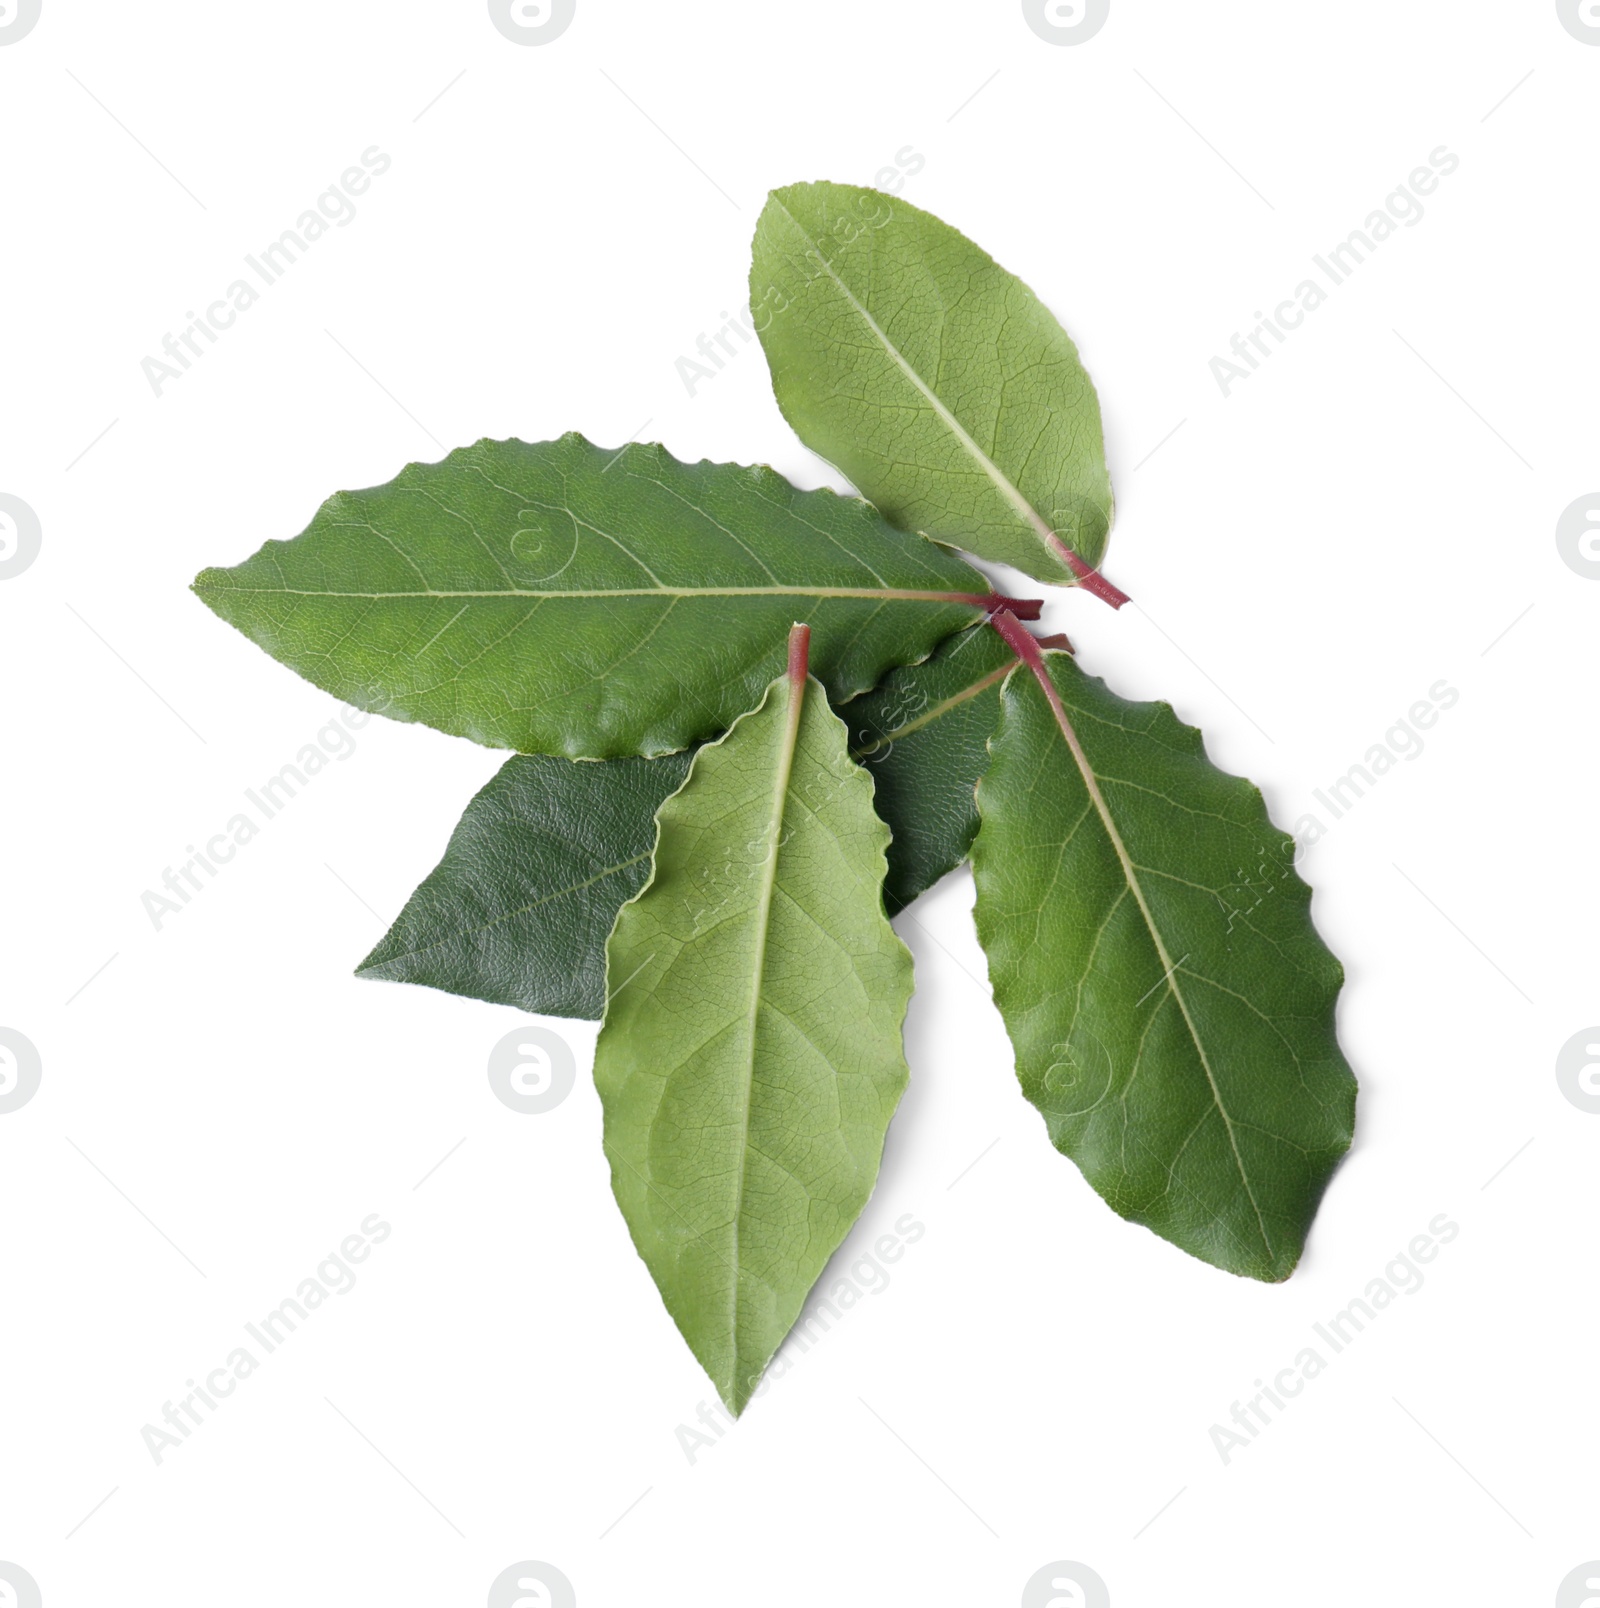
point(559, 598)
point(751, 1057)
point(519, 909)
point(924, 734)
point(938, 382)
point(1151, 950)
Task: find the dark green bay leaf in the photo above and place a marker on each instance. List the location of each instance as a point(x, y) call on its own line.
point(1151, 950)
point(519, 909)
point(924, 735)
point(751, 1057)
point(558, 598)
point(936, 380)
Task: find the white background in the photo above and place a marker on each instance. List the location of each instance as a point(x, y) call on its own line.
point(222, 1102)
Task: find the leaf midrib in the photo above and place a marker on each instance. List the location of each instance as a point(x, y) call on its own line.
point(769, 880)
point(1130, 874)
point(999, 479)
point(892, 594)
point(477, 929)
point(939, 710)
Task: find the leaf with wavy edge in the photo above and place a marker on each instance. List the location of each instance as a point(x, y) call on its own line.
point(750, 1058)
point(936, 380)
point(1151, 950)
point(559, 598)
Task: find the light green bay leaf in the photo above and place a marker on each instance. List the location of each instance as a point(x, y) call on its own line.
point(519, 909)
point(936, 380)
point(558, 598)
point(751, 1057)
point(1151, 950)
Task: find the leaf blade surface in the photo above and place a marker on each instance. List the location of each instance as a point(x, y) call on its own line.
point(557, 598)
point(1151, 950)
point(518, 910)
point(750, 1057)
point(936, 380)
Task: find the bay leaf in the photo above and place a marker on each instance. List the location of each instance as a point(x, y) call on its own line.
point(935, 380)
point(558, 598)
point(519, 909)
point(1151, 950)
point(751, 1057)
